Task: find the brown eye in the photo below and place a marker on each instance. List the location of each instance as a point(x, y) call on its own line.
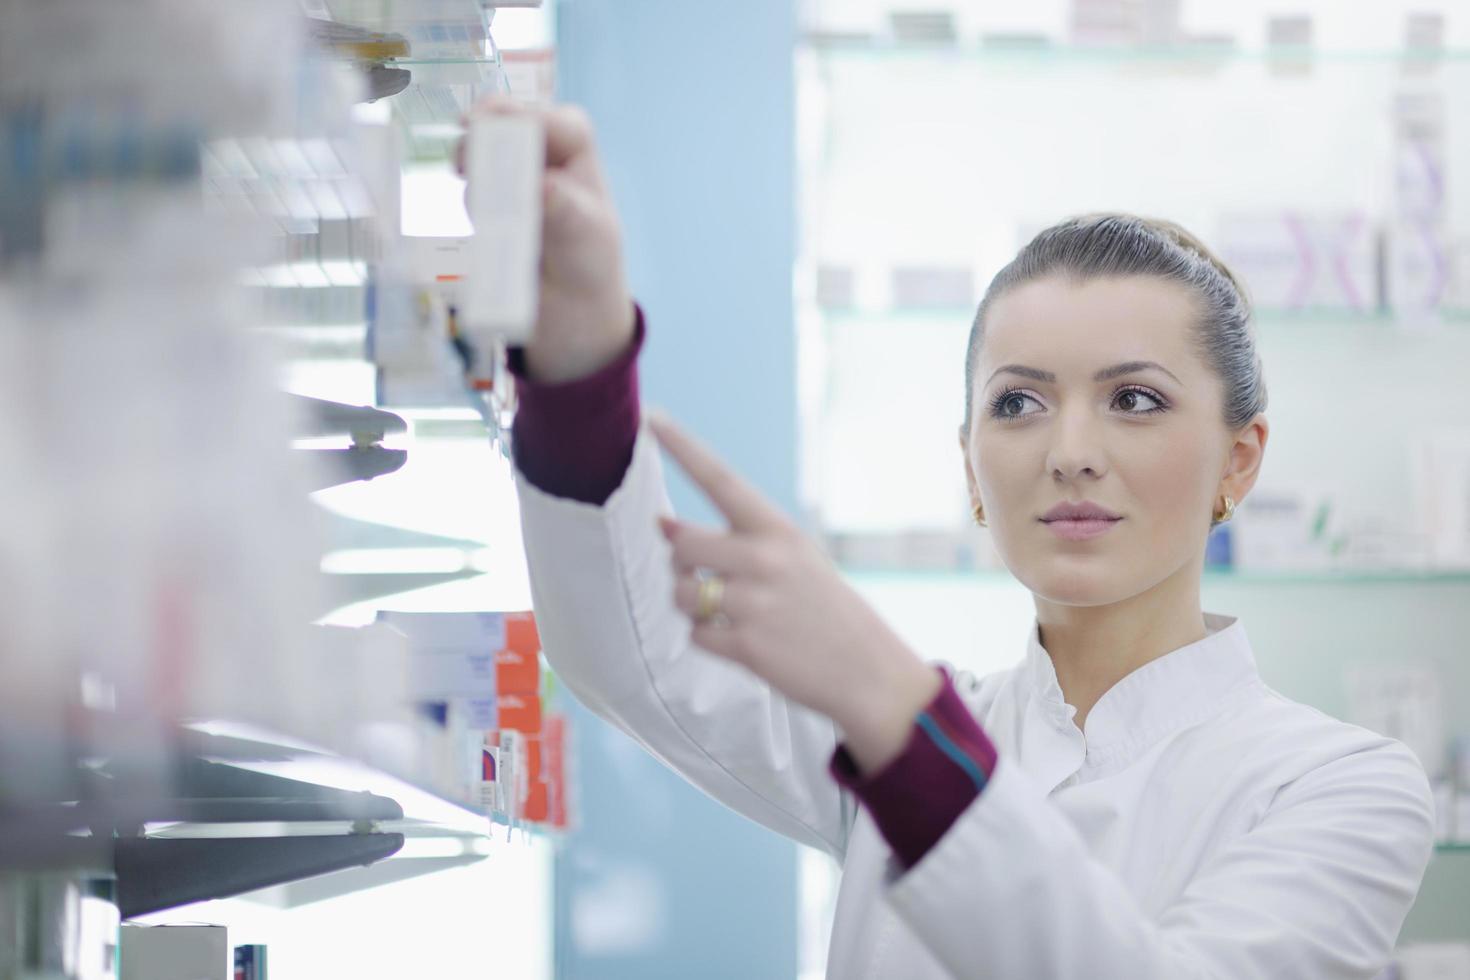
point(1128, 400)
point(1001, 404)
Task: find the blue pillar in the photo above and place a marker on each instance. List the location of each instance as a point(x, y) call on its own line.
point(693, 103)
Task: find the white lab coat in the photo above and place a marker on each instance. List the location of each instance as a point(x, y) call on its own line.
point(1205, 826)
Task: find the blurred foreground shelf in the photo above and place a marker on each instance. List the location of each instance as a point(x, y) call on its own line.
point(245, 812)
point(366, 427)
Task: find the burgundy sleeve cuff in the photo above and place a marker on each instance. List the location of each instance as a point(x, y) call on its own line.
point(575, 439)
point(917, 796)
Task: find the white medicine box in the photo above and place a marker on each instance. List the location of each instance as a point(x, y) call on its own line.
point(192, 952)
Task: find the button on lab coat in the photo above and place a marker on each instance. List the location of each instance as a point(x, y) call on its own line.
point(1203, 826)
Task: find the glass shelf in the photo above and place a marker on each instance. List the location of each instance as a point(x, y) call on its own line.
point(414, 829)
point(442, 24)
point(1043, 51)
point(1343, 576)
point(1212, 576)
point(428, 811)
point(411, 61)
point(902, 168)
point(1267, 319)
point(406, 34)
point(1453, 847)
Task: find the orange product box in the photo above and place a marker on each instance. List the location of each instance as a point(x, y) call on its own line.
point(554, 760)
point(520, 713)
point(521, 633)
point(516, 673)
point(537, 805)
point(518, 666)
point(533, 757)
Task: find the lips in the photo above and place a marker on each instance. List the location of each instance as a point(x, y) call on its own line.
point(1079, 520)
point(1079, 511)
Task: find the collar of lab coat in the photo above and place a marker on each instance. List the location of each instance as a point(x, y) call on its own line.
point(1165, 694)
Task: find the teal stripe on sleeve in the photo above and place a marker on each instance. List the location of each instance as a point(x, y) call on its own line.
point(952, 751)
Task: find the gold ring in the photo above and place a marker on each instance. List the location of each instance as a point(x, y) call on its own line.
point(711, 593)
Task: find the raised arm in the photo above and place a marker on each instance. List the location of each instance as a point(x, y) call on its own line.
point(591, 490)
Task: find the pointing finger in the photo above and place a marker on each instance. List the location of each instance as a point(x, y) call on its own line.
point(741, 503)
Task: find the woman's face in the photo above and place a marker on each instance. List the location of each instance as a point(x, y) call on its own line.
point(1083, 420)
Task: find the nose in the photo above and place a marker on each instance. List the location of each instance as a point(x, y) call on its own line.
point(1076, 451)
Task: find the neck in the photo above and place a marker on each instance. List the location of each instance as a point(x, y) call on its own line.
point(1094, 647)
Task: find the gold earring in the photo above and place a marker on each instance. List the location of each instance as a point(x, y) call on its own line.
point(1229, 511)
point(980, 516)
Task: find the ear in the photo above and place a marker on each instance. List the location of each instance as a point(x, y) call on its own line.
point(1246, 454)
point(970, 482)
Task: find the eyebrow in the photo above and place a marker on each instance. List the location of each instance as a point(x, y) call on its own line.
point(1106, 374)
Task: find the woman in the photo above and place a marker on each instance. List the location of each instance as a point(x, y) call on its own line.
point(1131, 801)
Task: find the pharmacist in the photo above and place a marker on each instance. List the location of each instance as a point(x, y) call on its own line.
point(1131, 802)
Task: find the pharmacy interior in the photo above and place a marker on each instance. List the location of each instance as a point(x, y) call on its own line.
point(273, 698)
